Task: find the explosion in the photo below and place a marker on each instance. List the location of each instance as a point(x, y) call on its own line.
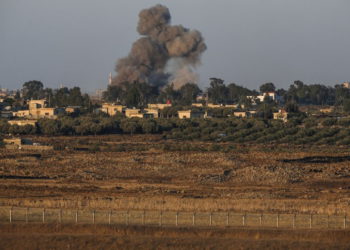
point(165, 53)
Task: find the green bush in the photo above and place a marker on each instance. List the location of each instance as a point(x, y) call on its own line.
point(329, 122)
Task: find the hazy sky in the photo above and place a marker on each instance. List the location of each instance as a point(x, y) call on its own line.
point(77, 42)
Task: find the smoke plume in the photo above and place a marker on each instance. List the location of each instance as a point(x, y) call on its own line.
point(151, 57)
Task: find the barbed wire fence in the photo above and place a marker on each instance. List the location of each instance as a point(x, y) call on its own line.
point(172, 218)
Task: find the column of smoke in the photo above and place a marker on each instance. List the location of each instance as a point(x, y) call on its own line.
point(164, 54)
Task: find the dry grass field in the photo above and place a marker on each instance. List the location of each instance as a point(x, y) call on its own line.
point(106, 237)
point(149, 172)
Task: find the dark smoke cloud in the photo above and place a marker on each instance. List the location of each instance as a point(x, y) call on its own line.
point(150, 58)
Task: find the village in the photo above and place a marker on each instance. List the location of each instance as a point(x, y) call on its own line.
point(33, 110)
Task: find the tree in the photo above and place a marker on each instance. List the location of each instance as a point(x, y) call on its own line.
point(138, 94)
point(168, 93)
point(346, 105)
point(265, 111)
point(33, 90)
point(49, 126)
point(28, 129)
point(237, 93)
point(64, 97)
point(75, 97)
point(189, 93)
point(341, 94)
point(9, 101)
point(113, 93)
point(67, 125)
point(169, 112)
point(314, 94)
point(291, 107)
point(132, 96)
point(149, 126)
point(217, 92)
point(4, 126)
point(267, 87)
point(129, 126)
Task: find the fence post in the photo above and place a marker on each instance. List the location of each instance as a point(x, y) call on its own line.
point(143, 217)
point(328, 221)
point(93, 217)
point(60, 216)
point(109, 217)
point(294, 216)
point(310, 221)
point(278, 221)
point(210, 219)
point(344, 221)
point(127, 217)
point(260, 219)
point(228, 219)
point(177, 219)
point(160, 218)
point(44, 215)
point(193, 219)
point(76, 216)
point(243, 219)
point(27, 215)
point(10, 214)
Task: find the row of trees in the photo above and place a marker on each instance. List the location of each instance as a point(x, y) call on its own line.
point(61, 97)
point(309, 130)
point(140, 94)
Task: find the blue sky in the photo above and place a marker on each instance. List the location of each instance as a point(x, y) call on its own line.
point(250, 42)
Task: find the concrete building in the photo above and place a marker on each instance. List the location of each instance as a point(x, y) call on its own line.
point(241, 114)
point(159, 105)
point(153, 112)
point(50, 113)
point(272, 95)
point(188, 114)
point(233, 106)
point(21, 113)
point(198, 105)
point(281, 115)
point(37, 104)
point(23, 122)
point(327, 110)
point(132, 112)
point(252, 113)
point(112, 109)
point(136, 115)
point(346, 85)
point(72, 109)
point(27, 144)
point(38, 109)
point(212, 105)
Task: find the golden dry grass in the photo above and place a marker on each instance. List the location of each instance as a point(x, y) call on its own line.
point(249, 178)
point(106, 237)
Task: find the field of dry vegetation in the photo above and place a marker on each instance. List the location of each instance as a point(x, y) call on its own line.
point(149, 172)
point(107, 237)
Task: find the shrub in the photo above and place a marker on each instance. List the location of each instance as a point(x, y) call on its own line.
point(149, 126)
point(329, 122)
point(344, 122)
point(130, 126)
point(4, 126)
point(49, 126)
